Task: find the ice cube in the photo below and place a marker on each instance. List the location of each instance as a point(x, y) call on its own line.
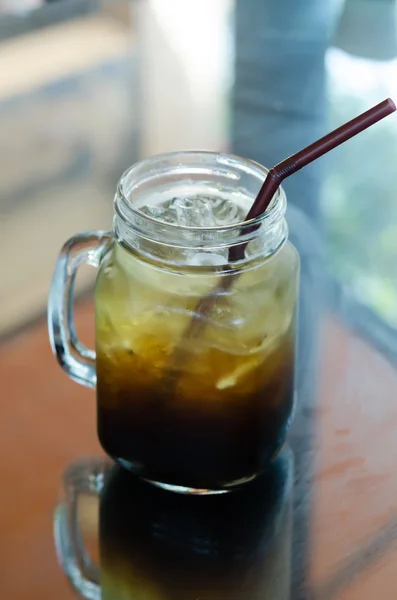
point(227, 212)
point(233, 378)
point(159, 212)
point(207, 259)
point(196, 211)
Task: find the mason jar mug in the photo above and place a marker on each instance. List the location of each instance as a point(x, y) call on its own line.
point(195, 352)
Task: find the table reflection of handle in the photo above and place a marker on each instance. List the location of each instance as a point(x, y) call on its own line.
point(81, 483)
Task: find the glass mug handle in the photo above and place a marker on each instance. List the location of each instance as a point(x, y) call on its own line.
point(81, 480)
point(75, 359)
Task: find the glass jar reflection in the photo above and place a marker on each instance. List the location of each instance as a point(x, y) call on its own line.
point(156, 546)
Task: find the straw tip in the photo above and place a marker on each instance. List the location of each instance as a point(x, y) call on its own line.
point(391, 104)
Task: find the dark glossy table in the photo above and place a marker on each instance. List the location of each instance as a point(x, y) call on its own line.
point(344, 541)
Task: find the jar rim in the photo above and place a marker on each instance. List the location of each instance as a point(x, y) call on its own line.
point(125, 208)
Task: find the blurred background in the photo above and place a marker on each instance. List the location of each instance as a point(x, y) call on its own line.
point(88, 87)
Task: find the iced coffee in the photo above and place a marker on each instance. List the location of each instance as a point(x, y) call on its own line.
point(216, 417)
point(195, 312)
